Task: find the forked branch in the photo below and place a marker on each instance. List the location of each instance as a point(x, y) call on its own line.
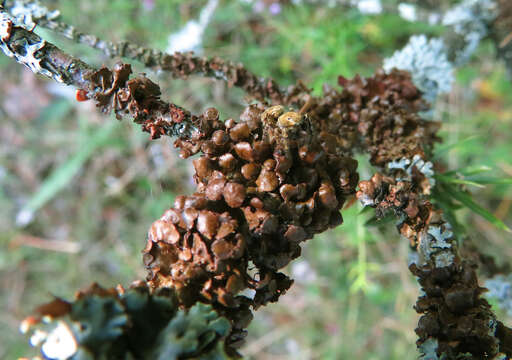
point(266, 184)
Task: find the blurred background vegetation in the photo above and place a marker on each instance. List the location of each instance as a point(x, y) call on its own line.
point(78, 190)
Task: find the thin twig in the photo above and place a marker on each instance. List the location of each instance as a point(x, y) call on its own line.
point(140, 96)
point(180, 65)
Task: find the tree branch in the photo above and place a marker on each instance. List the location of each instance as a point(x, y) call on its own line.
point(179, 65)
point(111, 89)
point(456, 318)
point(274, 179)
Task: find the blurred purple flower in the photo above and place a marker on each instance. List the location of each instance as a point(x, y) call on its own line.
point(148, 4)
point(274, 8)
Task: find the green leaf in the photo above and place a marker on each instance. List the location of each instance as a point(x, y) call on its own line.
point(469, 171)
point(493, 181)
point(468, 201)
point(442, 150)
point(475, 170)
point(365, 210)
point(454, 180)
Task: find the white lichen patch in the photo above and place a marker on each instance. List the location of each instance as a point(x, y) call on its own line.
point(28, 49)
point(402, 164)
point(29, 58)
point(60, 343)
point(428, 350)
point(425, 167)
point(443, 259)
point(428, 64)
point(440, 236)
point(470, 20)
point(29, 12)
point(435, 245)
point(425, 246)
point(406, 165)
point(500, 290)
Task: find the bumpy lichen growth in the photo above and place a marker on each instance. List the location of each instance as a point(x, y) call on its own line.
point(192, 334)
point(265, 184)
point(377, 115)
point(428, 64)
point(119, 324)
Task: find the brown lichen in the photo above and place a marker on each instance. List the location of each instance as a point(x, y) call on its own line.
point(268, 182)
point(259, 195)
point(273, 180)
point(452, 307)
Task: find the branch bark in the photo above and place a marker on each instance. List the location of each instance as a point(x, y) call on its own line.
point(179, 65)
point(274, 179)
point(111, 89)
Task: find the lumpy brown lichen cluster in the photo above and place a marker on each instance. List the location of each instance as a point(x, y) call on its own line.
point(377, 115)
point(454, 313)
point(401, 197)
point(276, 177)
point(265, 183)
point(139, 97)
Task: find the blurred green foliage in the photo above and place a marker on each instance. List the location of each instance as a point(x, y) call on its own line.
point(353, 295)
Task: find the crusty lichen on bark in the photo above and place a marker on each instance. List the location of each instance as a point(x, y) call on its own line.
point(277, 177)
